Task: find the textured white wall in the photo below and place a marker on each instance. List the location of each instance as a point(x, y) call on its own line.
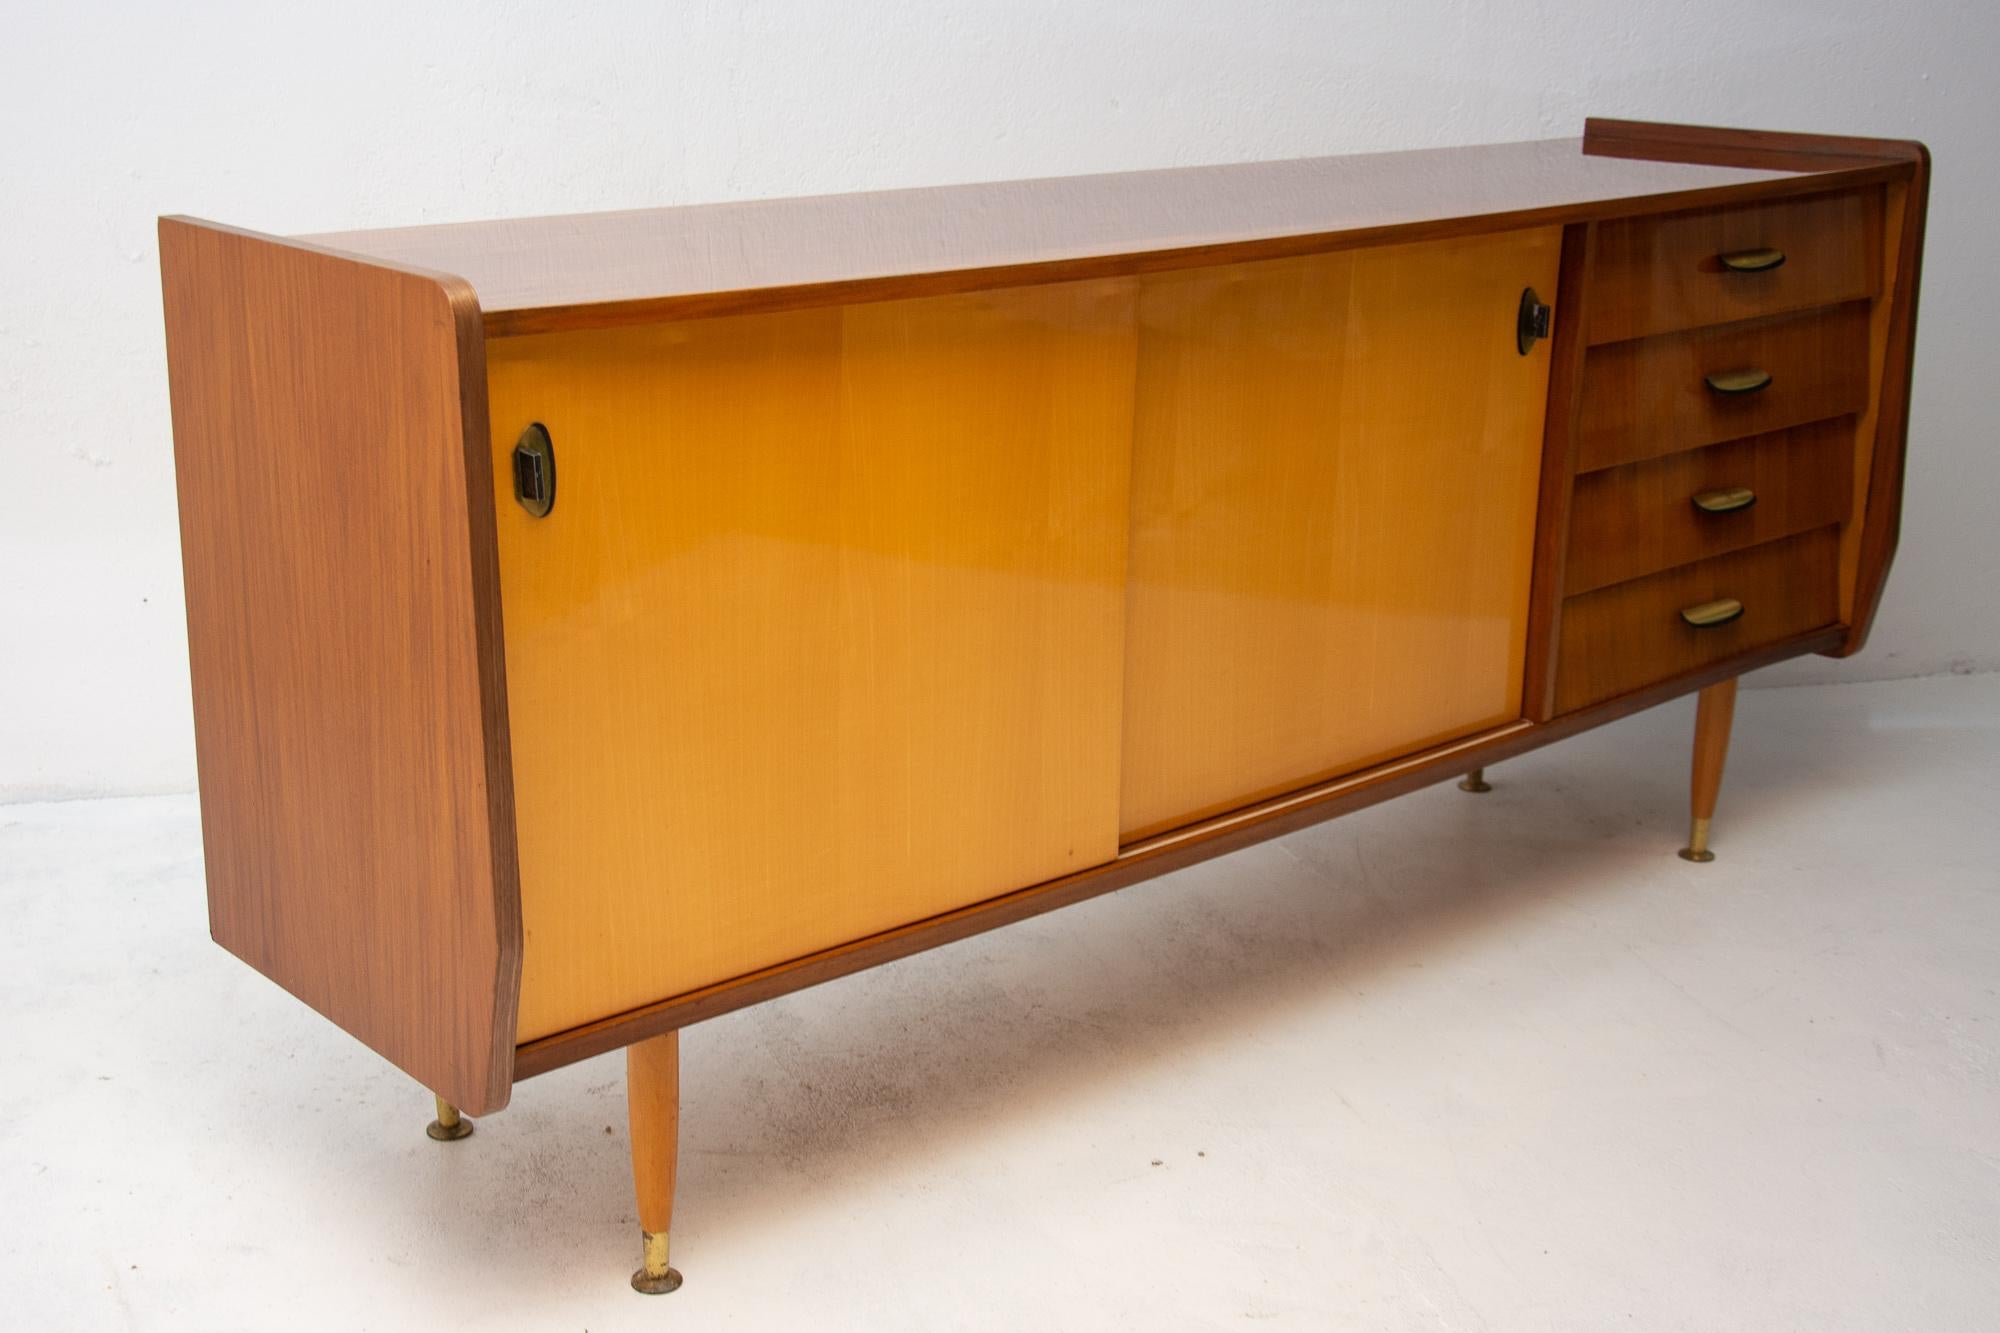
point(290, 119)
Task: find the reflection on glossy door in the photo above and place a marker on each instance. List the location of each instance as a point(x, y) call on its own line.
point(822, 636)
point(1333, 494)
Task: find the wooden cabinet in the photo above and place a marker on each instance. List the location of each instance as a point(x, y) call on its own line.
point(601, 623)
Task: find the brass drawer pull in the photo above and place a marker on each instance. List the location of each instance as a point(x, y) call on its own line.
point(1752, 261)
point(1738, 381)
point(1711, 614)
point(1725, 501)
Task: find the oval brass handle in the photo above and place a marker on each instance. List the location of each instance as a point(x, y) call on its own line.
point(1752, 261)
point(1738, 381)
point(1711, 614)
point(1725, 501)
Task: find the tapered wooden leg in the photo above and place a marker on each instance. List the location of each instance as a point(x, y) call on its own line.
point(653, 1100)
point(1475, 781)
point(449, 1124)
point(1712, 715)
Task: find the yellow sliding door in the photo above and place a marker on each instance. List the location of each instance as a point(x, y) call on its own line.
point(846, 617)
point(1333, 496)
point(823, 635)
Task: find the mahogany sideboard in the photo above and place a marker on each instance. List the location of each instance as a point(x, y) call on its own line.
point(601, 623)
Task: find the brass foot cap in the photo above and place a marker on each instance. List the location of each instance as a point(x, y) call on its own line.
point(1474, 785)
point(656, 1284)
point(1704, 856)
point(444, 1133)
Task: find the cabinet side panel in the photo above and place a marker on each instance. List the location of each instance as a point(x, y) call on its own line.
point(1884, 429)
point(343, 634)
point(822, 634)
point(1334, 489)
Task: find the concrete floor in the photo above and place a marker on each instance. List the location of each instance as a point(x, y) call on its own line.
point(1498, 1062)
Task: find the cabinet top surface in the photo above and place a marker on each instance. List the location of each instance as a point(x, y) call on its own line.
point(772, 252)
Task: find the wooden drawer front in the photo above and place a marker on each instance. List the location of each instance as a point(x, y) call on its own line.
point(1629, 635)
point(1652, 396)
point(1666, 273)
point(1641, 518)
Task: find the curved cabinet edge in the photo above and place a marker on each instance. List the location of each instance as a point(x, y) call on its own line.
point(1882, 517)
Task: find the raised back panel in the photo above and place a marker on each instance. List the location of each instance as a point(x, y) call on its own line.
point(822, 635)
point(1333, 506)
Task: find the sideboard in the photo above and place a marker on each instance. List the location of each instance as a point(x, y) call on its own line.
point(601, 623)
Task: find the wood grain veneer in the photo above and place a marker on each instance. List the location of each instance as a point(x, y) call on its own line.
point(1663, 273)
point(1640, 518)
point(345, 645)
point(1871, 545)
point(1626, 636)
point(1329, 557)
point(541, 274)
point(1725, 146)
point(1561, 421)
point(823, 635)
point(1144, 861)
point(1649, 396)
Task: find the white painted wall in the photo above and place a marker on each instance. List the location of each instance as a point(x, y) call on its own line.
point(291, 119)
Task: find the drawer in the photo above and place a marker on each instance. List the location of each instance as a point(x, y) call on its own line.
point(1654, 396)
point(1641, 518)
point(1718, 265)
point(1629, 635)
